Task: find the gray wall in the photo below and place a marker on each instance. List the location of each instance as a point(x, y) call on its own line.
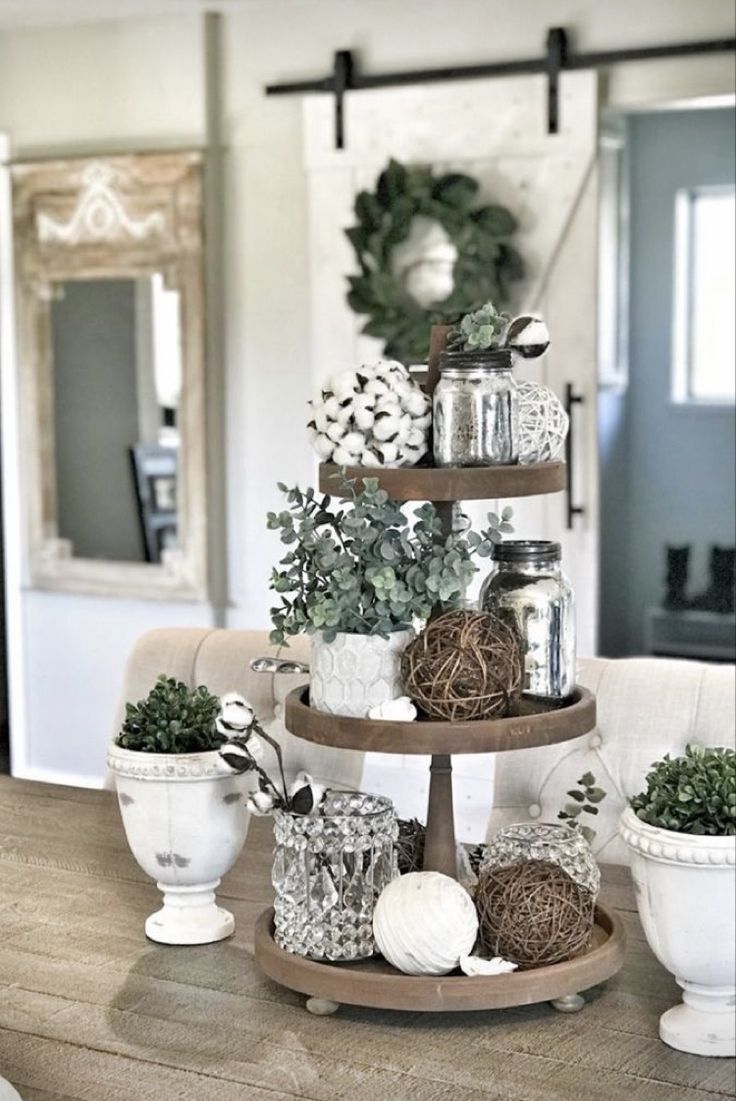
point(96, 418)
point(667, 472)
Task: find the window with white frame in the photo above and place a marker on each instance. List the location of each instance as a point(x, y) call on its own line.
point(704, 359)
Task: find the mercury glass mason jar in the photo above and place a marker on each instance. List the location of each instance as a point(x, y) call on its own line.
point(476, 410)
point(528, 590)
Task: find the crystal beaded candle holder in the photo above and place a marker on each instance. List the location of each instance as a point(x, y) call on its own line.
point(328, 872)
point(554, 842)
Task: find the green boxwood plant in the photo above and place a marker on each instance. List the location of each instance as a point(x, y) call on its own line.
point(360, 566)
point(172, 719)
point(691, 794)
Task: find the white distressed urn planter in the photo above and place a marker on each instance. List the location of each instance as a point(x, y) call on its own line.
point(354, 673)
point(685, 888)
point(185, 819)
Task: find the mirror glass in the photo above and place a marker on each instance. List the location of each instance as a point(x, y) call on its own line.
point(116, 367)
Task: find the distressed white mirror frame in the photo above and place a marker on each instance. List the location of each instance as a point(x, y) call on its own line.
point(110, 217)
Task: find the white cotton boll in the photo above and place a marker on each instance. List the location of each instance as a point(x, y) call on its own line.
point(343, 384)
point(312, 433)
point(385, 427)
point(343, 457)
point(332, 408)
point(324, 447)
point(389, 453)
point(376, 386)
point(388, 403)
point(367, 370)
point(402, 435)
point(423, 422)
point(415, 402)
point(369, 458)
point(401, 709)
point(363, 418)
point(474, 965)
point(320, 417)
point(364, 401)
point(416, 438)
point(336, 431)
point(345, 414)
point(354, 442)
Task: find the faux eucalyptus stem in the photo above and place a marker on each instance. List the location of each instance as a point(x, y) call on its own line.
point(363, 567)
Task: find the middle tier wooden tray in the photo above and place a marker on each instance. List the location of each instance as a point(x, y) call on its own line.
point(467, 483)
point(521, 731)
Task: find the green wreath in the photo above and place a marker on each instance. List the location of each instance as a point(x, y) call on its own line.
point(486, 266)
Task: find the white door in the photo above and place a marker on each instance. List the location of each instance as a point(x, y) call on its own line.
point(496, 131)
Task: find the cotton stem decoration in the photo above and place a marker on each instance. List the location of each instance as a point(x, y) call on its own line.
point(543, 423)
point(242, 753)
point(375, 416)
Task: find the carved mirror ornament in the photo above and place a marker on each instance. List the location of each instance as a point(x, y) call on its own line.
point(109, 272)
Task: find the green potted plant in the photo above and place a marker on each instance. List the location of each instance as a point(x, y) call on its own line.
point(681, 831)
point(356, 576)
point(182, 806)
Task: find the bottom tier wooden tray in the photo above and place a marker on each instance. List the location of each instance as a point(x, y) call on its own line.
point(377, 985)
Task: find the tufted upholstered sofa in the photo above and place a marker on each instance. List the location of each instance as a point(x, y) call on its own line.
point(646, 707)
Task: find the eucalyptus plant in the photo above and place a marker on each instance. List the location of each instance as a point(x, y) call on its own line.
point(585, 797)
point(172, 719)
point(691, 794)
point(360, 565)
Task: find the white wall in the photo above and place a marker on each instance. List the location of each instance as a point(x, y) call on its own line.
point(138, 84)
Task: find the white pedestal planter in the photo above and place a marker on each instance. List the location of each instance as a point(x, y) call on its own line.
point(686, 893)
point(356, 672)
point(7, 1093)
point(185, 820)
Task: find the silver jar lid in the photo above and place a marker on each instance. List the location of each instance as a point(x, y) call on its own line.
point(481, 359)
point(533, 551)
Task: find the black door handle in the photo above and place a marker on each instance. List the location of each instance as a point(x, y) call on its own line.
point(571, 400)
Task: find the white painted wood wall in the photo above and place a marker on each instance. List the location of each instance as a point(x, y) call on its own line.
point(496, 131)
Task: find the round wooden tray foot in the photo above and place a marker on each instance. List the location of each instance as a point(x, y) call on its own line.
point(569, 1003)
point(322, 1007)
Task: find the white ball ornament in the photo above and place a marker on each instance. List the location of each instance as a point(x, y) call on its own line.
point(543, 423)
point(424, 922)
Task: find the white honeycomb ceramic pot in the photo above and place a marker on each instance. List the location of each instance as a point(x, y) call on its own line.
point(185, 819)
point(686, 894)
point(356, 672)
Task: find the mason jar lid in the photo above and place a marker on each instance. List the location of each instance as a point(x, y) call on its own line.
point(532, 551)
point(480, 359)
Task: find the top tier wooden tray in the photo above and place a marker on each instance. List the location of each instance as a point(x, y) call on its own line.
point(467, 483)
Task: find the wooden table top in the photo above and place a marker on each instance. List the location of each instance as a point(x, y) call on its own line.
point(91, 1011)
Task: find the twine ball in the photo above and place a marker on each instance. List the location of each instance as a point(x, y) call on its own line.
point(533, 913)
point(463, 666)
point(543, 423)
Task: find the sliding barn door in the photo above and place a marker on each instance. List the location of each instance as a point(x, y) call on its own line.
point(496, 131)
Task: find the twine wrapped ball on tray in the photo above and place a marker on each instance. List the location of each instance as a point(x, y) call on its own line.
point(543, 423)
point(464, 665)
point(533, 913)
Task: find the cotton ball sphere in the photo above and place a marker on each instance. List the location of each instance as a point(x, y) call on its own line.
point(375, 416)
point(543, 423)
point(424, 922)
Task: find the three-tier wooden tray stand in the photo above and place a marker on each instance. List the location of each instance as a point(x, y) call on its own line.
point(375, 983)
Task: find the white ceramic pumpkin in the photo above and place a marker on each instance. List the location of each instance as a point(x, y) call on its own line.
point(424, 922)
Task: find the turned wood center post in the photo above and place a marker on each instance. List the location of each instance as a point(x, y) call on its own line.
point(439, 848)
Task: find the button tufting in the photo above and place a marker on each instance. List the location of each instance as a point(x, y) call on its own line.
point(279, 710)
point(534, 810)
point(596, 741)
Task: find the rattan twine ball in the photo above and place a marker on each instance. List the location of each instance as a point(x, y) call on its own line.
point(464, 665)
point(533, 913)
